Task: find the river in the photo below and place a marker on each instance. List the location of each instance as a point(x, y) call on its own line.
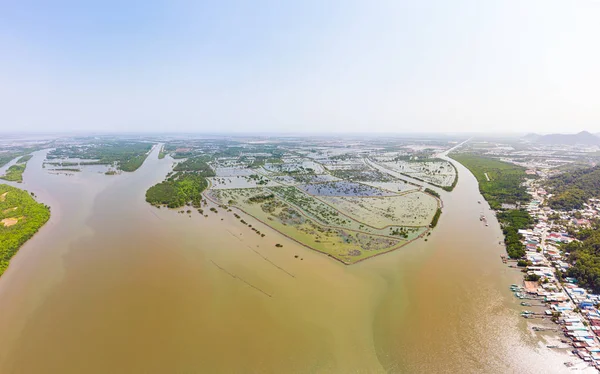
point(111, 284)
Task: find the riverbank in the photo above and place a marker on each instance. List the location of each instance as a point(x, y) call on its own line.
point(20, 218)
point(523, 245)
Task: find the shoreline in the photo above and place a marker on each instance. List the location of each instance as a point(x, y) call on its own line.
point(420, 236)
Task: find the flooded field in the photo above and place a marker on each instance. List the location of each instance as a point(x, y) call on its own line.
point(396, 186)
point(410, 209)
point(440, 173)
point(111, 284)
point(311, 222)
point(343, 188)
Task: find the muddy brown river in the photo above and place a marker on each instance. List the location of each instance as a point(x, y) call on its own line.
point(113, 285)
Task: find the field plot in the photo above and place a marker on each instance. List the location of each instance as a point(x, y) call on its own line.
point(438, 172)
point(364, 174)
point(411, 209)
point(395, 186)
point(233, 171)
point(314, 208)
point(300, 167)
point(343, 244)
point(343, 165)
point(249, 181)
point(292, 180)
point(343, 188)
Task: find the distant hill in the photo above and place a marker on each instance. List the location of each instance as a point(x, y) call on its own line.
point(583, 138)
point(573, 188)
point(532, 137)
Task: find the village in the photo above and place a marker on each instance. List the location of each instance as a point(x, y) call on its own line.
point(558, 298)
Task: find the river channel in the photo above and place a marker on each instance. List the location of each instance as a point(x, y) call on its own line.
point(111, 284)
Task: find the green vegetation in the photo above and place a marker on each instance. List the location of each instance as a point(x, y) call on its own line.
point(585, 258)
point(127, 155)
point(7, 155)
point(64, 163)
point(183, 187)
point(572, 189)
point(20, 218)
point(197, 164)
point(522, 263)
point(14, 173)
point(454, 182)
point(133, 163)
point(435, 218)
point(24, 159)
point(178, 190)
point(5, 158)
point(505, 184)
point(162, 153)
point(432, 192)
point(399, 231)
point(512, 221)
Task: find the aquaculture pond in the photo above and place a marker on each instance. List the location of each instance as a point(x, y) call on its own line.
point(343, 188)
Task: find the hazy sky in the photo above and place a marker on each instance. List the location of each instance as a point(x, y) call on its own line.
point(322, 65)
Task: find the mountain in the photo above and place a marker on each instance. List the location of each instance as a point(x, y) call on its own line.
point(532, 137)
point(583, 138)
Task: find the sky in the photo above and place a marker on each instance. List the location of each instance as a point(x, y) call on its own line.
point(300, 66)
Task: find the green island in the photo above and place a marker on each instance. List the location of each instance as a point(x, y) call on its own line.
point(20, 218)
point(502, 183)
point(196, 164)
point(182, 187)
point(24, 159)
point(15, 172)
point(126, 155)
point(20, 151)
point(162, 153)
